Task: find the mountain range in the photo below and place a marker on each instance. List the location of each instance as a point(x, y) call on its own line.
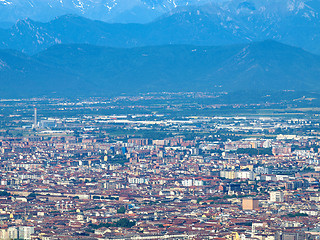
point(138, 11)
point(293, 22)
point(86, 70)
point(142, 11)
point(98, 47)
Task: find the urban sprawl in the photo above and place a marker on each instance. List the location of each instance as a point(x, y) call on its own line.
point(105, 170)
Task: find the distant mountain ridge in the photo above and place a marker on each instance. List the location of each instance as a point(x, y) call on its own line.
point(138, 11)
point(85, 70)
point(293, 22)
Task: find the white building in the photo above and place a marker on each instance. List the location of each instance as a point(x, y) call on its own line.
point(12, 233)
point(25, 232)
point(192, 182)
point(276, 196)
point(136, 180)
point(245, 175)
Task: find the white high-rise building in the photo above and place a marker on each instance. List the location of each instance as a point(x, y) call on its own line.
point(276, 196)
point(25, 232)
point(13, 233)
point(35, 120)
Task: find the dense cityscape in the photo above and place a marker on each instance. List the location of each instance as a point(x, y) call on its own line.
point(100, 169)
point(159, 119)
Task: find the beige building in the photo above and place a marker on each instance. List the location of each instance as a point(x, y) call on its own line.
point(250, 204)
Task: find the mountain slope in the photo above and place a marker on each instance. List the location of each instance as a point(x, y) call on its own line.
point(293, 22)
point(31, 37)
point(21, 75)
point(105, 10)
point(75, 70)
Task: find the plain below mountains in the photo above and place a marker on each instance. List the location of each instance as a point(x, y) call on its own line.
point(85, 70)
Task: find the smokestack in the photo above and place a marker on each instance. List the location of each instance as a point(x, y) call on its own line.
point(35, 118)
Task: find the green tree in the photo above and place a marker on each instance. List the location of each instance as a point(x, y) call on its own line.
point(122, 210)
point(125, 222)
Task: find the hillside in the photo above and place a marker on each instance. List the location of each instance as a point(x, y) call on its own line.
point(206, 23)
point(91, 70)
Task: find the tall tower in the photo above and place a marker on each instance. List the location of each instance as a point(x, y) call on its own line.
point(35, 118)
